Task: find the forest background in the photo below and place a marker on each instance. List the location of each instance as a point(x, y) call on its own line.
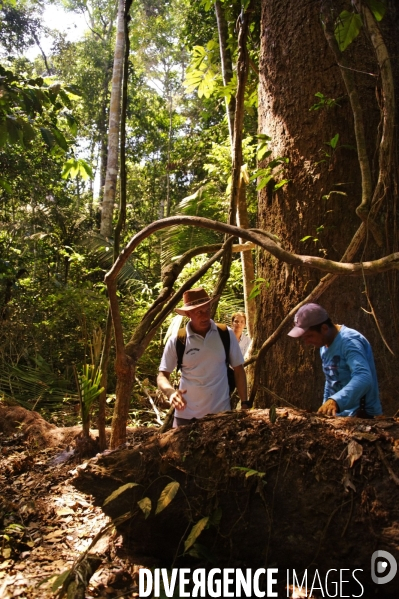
point(302, 173)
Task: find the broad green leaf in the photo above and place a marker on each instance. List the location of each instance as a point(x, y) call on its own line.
point(254, 293)
point(263, 182)
point(347, 28)
point(119, 491)
point(166, 496)
point(195, 532)
point(73, 90)
point(263, 152)
point(66, 169)
point(60, 139)
point(215, 517)
point(280, 184)
point(207, 85)
point(72, 123)
point(65, 98)
point(55, 88)
point(6, 186)
point(254, 473)
point(85, 170)
point(249, 471)
point(145, 505)
point(378, 8)
point(260, 173)
point(14, 131)
point(334, 141)
point(15, 526)
point(74, 167)
point(28, 131)
point(59, 581)
point(48, 137)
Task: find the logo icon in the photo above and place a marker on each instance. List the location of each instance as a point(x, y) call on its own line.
point(383, 567)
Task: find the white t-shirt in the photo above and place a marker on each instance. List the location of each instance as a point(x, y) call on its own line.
point(244, 344)
point(204, 372)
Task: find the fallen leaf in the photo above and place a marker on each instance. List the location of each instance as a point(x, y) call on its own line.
point(64, 511)
point(367, 436)
point(348, 484)
point(384, 424)
point(355, 451)
point(54, 535)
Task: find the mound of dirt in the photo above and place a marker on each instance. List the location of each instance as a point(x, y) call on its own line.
point(17, 419)
point(34, 428)
point(236, 490)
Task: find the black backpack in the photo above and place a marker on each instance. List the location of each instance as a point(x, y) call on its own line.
point(224, 336)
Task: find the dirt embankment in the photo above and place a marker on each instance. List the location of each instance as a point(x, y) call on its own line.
point(305, 492)
point(34, 428)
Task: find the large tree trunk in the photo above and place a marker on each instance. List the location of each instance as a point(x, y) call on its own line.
point(296, 63)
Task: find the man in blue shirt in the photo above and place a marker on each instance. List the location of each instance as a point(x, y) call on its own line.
point(351, 387)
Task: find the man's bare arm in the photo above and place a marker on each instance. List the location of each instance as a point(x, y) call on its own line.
point(241, 384)
point(175, 396)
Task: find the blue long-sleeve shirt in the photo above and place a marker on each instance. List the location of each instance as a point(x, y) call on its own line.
point(349, 368)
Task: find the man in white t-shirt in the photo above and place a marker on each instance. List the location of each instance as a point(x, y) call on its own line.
point(204, 385)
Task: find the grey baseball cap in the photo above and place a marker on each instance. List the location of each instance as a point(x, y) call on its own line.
point(307, 316)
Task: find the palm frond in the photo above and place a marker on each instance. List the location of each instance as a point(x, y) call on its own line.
point(207, 201)
point(35, 386)
point(103, 250)
point(228, 304)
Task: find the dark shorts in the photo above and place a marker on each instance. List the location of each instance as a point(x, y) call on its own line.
point(182, 421)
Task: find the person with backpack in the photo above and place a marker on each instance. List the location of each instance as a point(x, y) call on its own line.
point(203, 352)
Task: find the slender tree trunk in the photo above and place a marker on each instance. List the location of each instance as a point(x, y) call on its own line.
point(118, 231)
point(102, 400)
point(114, 126)
point(227, 64)
point(235, 116)
point(246, 261)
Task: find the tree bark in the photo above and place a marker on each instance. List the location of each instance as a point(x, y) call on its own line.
point(297, 62)
point(227, 64)
point(247, 261)
point(114, 127)
point(235, 116)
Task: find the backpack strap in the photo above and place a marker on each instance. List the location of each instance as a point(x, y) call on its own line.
point(225, 337)
point(180, 346)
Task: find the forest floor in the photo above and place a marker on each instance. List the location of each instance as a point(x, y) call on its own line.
point(288, 479)
point(45, 523)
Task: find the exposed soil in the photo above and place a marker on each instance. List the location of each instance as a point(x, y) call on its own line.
point(304, 492)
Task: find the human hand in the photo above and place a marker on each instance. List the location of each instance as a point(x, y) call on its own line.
point(329, 408)
point(177, 400)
